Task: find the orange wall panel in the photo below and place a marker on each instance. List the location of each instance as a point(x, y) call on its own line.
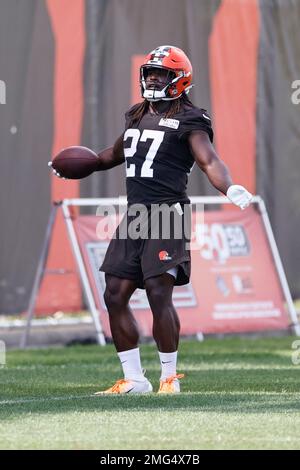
point(68, 25)
point(233, 50)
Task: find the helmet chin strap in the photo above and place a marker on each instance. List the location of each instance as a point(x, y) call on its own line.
point(151, 95)
point(158, 95)
point(154, 95)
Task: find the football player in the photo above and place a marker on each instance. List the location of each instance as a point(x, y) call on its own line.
point(164, 136)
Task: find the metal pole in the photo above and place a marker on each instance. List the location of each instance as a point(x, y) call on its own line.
point(279, 267)
point(83, 275)
point(39, 275)
point(107, 201)
point(122, 201)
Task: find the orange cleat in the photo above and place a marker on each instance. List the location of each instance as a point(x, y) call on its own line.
point(128, 386)
point(171, 384)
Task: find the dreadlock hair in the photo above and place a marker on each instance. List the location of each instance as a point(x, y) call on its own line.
point(142, 108)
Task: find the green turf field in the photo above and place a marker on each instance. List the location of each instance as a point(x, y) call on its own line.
point(238, 393)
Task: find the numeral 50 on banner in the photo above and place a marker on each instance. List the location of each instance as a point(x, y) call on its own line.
point(220, 241)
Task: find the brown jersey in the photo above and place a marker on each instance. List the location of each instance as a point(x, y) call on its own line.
point(158, 158)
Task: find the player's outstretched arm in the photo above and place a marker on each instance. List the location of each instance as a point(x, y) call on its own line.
point(216, 170)
point(112, 156)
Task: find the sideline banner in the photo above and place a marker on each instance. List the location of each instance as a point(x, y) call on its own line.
point(234, 275)
point(234, 284)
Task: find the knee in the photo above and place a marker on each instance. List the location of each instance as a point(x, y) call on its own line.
point(159, 298)
point(114, 301)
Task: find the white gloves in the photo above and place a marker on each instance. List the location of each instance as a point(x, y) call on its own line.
point(56, 172)
point(239, 196)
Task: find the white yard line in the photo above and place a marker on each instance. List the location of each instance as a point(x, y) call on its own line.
point(20, 401)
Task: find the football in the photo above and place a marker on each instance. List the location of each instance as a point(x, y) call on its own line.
point(75, 162)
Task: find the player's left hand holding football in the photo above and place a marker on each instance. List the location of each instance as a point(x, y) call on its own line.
point(239, 196)
point(56, 172)
point(74, 162)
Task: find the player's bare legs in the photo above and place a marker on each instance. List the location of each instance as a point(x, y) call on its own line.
point(166, 324)
point(166, 328)
point(122, 322)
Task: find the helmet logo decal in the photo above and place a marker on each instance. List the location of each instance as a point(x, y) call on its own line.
point(162, 50)
point(158, 54)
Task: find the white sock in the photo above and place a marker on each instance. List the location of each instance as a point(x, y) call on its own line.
point(168, 362)
point(131, 364)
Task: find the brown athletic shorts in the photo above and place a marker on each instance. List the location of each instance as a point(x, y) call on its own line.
point(142, 247)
